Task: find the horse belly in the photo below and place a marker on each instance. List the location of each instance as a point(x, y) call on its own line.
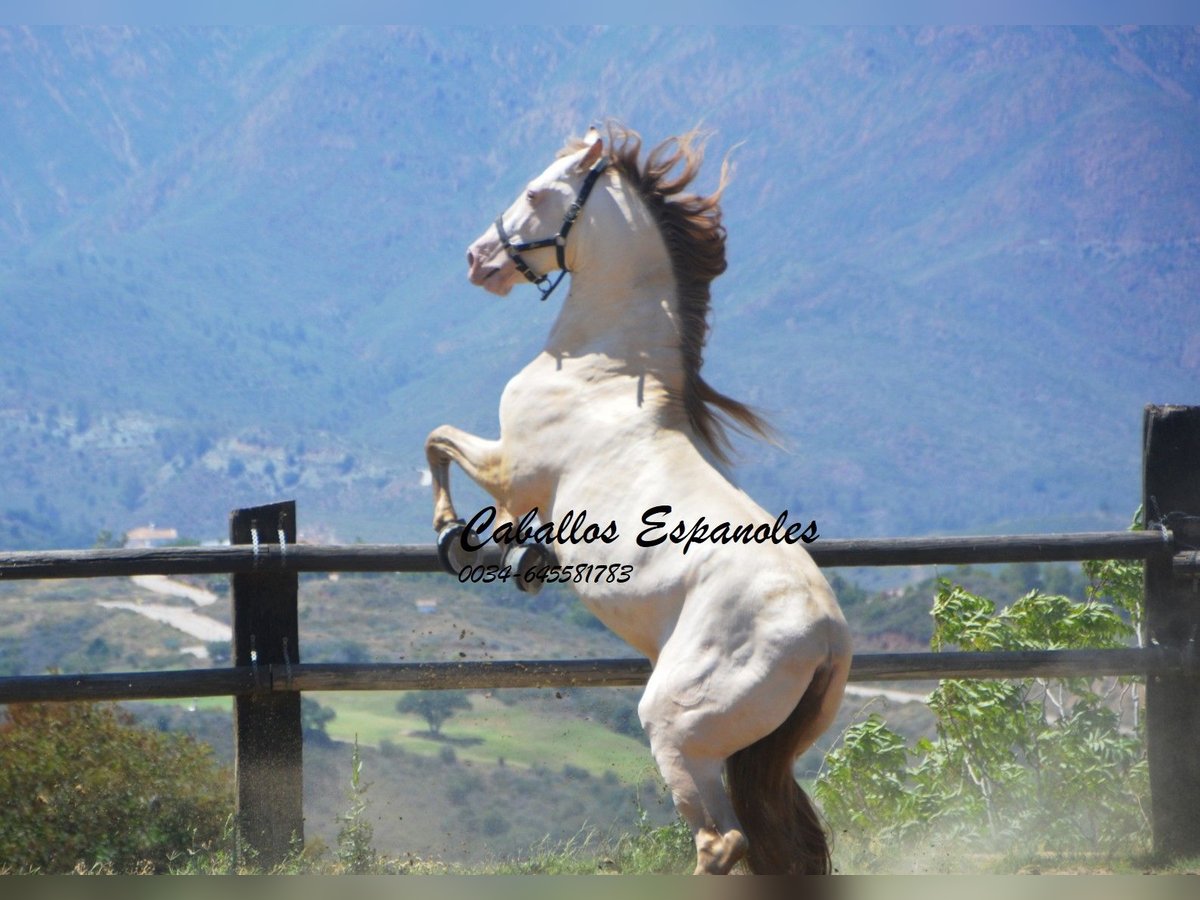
point(621, 589)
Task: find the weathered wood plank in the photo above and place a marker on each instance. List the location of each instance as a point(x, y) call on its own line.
point(1012, 664)
point(624, 672)
point(496, 674)
point(132, 685)
point(982, 549)
point(217, 560)
point(470, 675)
point(268, 741)
point(423, 557)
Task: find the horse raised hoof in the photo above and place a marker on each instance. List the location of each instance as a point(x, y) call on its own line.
point(524, 559)
point(453, 556)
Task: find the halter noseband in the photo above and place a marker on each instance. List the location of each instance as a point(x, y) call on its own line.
point(558, 242)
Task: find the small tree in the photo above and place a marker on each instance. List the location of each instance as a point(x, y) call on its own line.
point(435, 707)
point(313, 720)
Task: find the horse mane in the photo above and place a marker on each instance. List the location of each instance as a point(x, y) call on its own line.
point(695, 239)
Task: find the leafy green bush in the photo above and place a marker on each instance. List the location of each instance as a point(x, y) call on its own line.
point(82, 785)
point(1035, 763)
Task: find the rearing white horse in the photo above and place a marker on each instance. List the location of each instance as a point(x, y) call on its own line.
point(749, 649)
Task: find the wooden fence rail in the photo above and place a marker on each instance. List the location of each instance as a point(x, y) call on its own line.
point(544, 673)
point(267, 676)
point(274, 557)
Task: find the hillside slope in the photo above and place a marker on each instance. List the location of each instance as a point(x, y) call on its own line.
point(960, 262)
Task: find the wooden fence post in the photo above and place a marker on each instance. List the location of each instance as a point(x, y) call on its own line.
point(1171, 497)
point(268, 740)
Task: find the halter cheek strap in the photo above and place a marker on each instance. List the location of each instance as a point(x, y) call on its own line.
point(558, 242)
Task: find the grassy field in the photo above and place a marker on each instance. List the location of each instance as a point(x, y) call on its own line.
point(525, 734)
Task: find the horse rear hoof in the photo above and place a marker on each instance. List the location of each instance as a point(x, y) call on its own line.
point(718, 854)
point(453, 556)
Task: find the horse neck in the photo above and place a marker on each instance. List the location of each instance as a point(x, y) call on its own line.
point(623, 297)
point(629, 320)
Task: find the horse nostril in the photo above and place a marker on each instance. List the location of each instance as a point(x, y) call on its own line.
point(470, 260)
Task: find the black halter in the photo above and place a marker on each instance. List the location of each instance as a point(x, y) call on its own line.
point(558, 242)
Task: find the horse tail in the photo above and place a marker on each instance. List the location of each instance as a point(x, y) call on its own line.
point(784, 829)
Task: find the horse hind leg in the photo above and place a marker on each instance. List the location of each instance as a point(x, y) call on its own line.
point(700, 798)
point(763, 816)
point(694, 777)
point(720, 843)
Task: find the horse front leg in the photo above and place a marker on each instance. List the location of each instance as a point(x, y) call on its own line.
point(481, 459)
point(485, 464)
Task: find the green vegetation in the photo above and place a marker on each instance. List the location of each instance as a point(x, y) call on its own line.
point(647, 847)
point(521, 769)
point(560, 781)
point(355, 851)
point(904, 611)
point(1054, 765)
point(87, 791)
point(990, 256)
point(83, 786)
point(314, 719)
point(435, 707)
point(517, 726)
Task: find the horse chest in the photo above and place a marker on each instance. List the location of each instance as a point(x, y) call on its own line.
point(554, 406)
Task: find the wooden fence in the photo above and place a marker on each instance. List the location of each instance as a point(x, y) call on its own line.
point(267, 677)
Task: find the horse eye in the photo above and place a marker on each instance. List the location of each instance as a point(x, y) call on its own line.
point(531, 195)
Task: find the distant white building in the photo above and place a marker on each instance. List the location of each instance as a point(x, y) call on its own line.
point(149, 536)
point(427, 604)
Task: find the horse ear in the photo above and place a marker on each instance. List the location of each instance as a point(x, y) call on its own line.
point(595, 147)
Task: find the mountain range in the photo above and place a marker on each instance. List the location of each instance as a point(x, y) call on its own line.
point(232, 267)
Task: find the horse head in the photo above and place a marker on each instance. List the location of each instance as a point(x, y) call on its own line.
point(530, 238)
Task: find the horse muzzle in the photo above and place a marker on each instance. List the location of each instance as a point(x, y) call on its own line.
point(494, 272)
